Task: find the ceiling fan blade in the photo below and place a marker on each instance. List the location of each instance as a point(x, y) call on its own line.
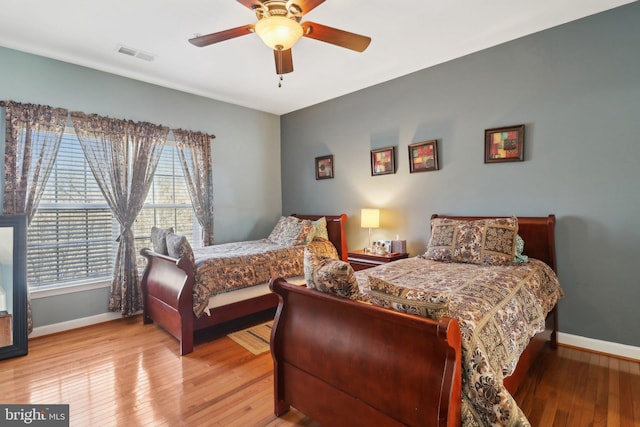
point(284, 61)
point(305, 6)
point(334, 36)
point(202, 41)
point(251, 4)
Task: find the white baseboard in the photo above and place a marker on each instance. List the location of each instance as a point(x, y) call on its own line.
point(73, 324)
point(615, 349)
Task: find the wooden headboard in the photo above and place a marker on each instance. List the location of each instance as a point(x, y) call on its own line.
point(335, 229)
point(537, 233)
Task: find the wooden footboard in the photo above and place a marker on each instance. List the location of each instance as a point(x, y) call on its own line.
point(167, 291)
point(361, 365)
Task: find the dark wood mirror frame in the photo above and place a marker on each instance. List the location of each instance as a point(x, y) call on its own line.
point(18, 313)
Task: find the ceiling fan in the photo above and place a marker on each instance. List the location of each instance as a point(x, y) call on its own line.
point(280, 28)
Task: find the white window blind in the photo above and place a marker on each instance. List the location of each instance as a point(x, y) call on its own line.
point(72, 237)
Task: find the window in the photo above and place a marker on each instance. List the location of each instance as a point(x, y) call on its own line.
point(72, 237)
point(167, 204)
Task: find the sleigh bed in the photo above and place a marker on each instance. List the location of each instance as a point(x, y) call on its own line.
point(168, 285)
point(346, 362)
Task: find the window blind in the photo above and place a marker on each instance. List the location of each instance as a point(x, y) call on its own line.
point(72, 237)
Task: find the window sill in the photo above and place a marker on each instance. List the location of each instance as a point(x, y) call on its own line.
point(68, 288)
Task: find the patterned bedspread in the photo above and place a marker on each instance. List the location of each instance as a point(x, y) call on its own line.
point(499, 308)
point(230, 266)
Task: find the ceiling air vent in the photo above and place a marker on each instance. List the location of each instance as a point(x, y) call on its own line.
point(125, 50)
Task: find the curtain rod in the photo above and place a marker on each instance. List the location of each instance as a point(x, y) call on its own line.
point(211, 136)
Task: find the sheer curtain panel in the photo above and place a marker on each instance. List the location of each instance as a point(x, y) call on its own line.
point(194, 151)
point(123, 156)
point(33, 134)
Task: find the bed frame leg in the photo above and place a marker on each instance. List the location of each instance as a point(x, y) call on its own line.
point(554, 333)
point(281, 407)
point(186, 343)
point(186, 347)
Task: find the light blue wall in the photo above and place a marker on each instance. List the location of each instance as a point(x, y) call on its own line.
point(575, 87)
point(246, 148)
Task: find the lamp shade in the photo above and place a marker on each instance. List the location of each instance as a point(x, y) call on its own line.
point(370, 218)
point(278, 32)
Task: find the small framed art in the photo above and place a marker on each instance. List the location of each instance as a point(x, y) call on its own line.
point(504, 144)
point(324, 167)
point(423, 156)
point(383, 161)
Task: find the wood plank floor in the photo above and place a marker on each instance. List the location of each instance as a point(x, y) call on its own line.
point(124, 373)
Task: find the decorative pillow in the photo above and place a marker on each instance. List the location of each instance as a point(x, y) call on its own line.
point(159, 239)
point(422, 302)
point(323, 247)
point(178, 247)
point(319, 230)
point(520, 258)
point(485, 241)
point(278, 229)
point(290, 231)
point(329, 275)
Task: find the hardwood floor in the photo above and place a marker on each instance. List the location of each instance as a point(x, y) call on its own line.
point(124, 373)
point(570, 387)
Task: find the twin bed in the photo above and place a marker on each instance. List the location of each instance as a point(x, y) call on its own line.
point(173, 289)
point(343, 361)
point(346, 362)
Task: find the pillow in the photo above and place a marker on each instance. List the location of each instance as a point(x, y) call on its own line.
point(274, 236)
point(159, 239)
point(178, 247)
point(329, 275)
point(423, 302)
point(290, 231)
point(323, 247)
point(485, 241)
point(319, 230)
point(520, 258)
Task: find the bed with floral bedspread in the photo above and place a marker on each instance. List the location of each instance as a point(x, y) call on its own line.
point(179, 282)
point(441, 339)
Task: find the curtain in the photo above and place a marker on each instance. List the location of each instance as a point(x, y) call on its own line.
point(33, 135)
point(123, 156)
point(194, 151)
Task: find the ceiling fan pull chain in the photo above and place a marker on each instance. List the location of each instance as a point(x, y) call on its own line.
point(280, 65)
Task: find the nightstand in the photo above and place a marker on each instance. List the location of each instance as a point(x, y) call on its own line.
point(361, 260)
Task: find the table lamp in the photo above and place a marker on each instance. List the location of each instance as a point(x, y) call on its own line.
point(370, 218)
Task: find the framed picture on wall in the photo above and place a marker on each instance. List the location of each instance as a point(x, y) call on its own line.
point(324, 167)
point(383, 161)
point(423, 156)
point(505, 144)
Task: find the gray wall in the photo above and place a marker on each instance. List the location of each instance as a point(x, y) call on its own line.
point(577, 90)
point(246, 148)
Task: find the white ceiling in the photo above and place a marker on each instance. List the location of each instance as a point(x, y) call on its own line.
point(407, 36)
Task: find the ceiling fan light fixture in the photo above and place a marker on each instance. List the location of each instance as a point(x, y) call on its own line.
point(278, 32)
